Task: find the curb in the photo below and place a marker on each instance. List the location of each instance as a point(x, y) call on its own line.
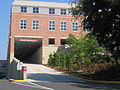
point(95, 81)
point(18, 80)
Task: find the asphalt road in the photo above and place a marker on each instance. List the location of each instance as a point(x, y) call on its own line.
point(44, 78)
point(6, 85)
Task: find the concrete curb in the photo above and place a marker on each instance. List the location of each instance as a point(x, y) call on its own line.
point(18, 80)
point(109, 82)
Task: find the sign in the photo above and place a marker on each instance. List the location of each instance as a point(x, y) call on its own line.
point(19, 66)
point(24, 68)
point(28, 40)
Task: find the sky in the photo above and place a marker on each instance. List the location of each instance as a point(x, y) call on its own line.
point(5, 10)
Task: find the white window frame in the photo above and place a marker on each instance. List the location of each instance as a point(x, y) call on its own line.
point(35, 26)
point(51, 26)
point(24, 24)
point(75, 26)
point(63, 12)
point(35, 9)
point(23, 9)
point(51, 10)
point(63, 25)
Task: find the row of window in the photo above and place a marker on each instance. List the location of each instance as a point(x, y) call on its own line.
point(35, 25)
point(52, 41)
point(36, 10)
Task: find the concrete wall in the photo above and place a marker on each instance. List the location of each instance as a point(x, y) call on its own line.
point(3, 66)
point(37, 56)
point(17, 74)
point(42, 10)
point(46, 52)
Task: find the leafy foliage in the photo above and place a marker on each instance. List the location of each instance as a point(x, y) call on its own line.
point(102, 18)
point(83, 51)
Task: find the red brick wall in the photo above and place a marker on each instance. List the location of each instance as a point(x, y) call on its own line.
point(43, 26)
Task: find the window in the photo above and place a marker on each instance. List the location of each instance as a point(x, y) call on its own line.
point(23, 24)
point(51, 41)
point(63, 41)
point(86, 30)
point(35, 24)
point(63, 11)
point(35, 10)
point(75, 26)
point(51, 11)
point(24, 9)
point(51, 25)
point(63, 26)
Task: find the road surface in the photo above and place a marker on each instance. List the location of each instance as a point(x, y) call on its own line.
point(44, 78)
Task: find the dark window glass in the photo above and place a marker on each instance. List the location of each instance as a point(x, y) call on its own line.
point(63, 41)
point(35, 10)
point(63, 11)
point(51, 11)
point(51, 41)
point(24, 9)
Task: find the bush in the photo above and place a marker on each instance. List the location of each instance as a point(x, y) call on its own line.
point(60, 60)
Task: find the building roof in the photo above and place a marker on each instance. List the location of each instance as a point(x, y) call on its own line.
point(40, 4)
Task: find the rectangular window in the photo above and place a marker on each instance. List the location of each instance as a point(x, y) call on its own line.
point(51, 41)
point(63, 26)
point(35, 24)
point(75, 26)
point(24, 9)
point(51, 25)
point(23, 24)
point(51, 11)
point(86, 30)
point(35, 10)
point(63, 41)
point(63, 12)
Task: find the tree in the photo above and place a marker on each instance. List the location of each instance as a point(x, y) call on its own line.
point(84, 49)
point(50, 59)
point(102, 19)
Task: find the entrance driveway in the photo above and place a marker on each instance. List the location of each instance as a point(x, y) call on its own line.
point(44, 76)
point(37, 72)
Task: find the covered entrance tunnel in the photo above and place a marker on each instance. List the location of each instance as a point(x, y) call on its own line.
point(28, 50)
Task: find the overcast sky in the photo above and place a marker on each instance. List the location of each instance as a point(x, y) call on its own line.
point(5, 8)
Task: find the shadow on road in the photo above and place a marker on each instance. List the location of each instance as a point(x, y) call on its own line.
point(101, 86)
point(72, 81)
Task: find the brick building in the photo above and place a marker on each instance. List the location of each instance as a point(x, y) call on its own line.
point(39, 28)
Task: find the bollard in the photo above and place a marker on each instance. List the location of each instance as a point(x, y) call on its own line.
point(24, 69)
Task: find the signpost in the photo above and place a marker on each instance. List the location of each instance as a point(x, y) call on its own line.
point(19, 66)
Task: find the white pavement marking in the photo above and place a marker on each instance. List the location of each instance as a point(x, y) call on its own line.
point(33, 85)
point(31, 80)
point(41, 86)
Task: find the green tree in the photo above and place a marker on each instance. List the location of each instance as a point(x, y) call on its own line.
point(102, 19)
point(69, 62)
point(85, 49)
point(63, 60)
point(50, 59)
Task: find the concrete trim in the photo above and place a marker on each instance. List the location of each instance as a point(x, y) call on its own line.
point(38, 15)
point(63, 37)
point(29, 36)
